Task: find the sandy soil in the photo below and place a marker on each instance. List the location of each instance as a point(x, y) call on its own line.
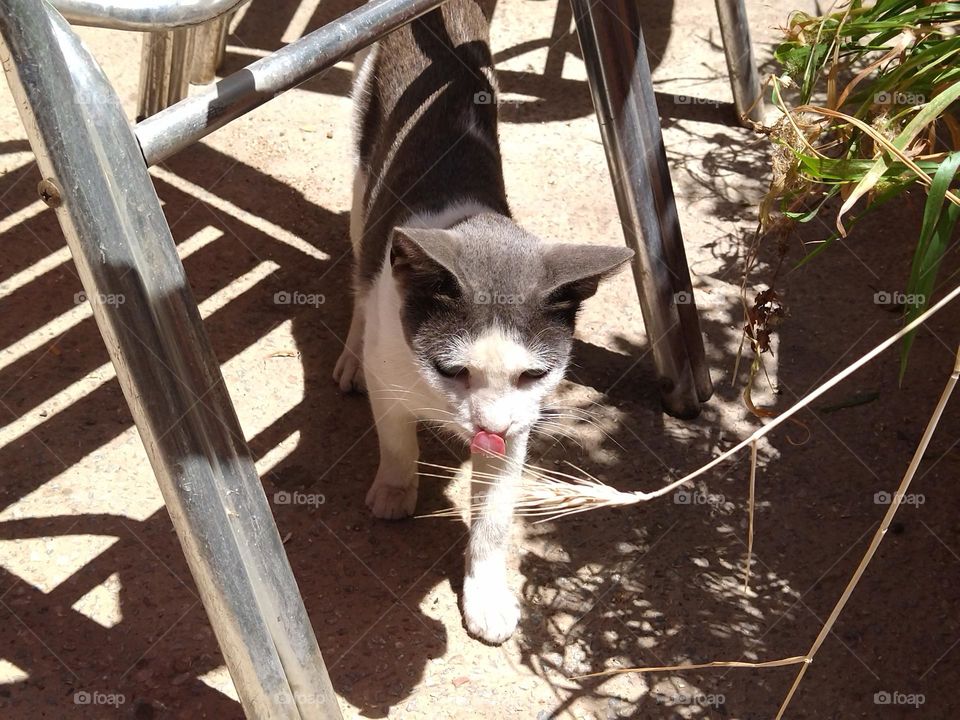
point(95, 596)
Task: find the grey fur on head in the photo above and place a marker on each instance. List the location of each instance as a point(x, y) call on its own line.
point(486, 270)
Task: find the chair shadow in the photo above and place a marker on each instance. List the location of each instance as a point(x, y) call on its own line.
point(660, 584)
point(654, 584)
point(363, 582)
point(354, 572)
point(551, 97)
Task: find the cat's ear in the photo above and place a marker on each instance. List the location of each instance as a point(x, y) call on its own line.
point(574, 272)
point(426, 258)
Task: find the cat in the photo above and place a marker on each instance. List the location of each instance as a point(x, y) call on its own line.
point(460, 318)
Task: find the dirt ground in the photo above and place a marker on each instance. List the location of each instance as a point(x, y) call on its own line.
point(95, 596)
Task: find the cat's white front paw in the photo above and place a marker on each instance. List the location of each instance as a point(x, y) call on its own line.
point(392, 497)
point(490, 610)
point(348, 372)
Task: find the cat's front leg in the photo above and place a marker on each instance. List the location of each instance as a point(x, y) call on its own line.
point(348, 372)
point(393, 494)
point(490, 608)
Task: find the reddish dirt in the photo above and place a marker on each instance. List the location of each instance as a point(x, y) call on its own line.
point(95, 596)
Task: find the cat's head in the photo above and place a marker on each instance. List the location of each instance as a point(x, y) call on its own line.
point(488, 311)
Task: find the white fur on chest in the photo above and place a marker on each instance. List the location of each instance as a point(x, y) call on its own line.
point(389, 364)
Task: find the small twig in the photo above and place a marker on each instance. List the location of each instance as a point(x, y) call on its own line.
point(751, 504)
point(796, 660)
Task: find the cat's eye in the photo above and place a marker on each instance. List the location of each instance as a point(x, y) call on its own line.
point(453, 372)
point(533, 374)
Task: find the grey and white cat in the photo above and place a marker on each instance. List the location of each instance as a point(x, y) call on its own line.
point(461, 318)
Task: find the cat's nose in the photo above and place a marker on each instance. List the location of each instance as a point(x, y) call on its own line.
point(495, 429)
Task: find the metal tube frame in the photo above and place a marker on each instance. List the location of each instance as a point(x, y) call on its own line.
point(209, 46)
point(181, 125)
point(741, 66)
point(626, 108)
point(619, 75)
point(166, 64)
point(95, 177)
point(122, 246)
point(184, 41)
point(173, 58)
point(145, 16)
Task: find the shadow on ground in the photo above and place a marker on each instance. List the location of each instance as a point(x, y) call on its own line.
point(650, 585)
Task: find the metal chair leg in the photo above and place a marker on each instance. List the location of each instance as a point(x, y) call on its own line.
point(209, 45)
point(165, 66)
point(744, 78)
point(94, 175)
point(619, 75)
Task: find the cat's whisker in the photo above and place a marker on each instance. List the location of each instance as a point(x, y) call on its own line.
point(593, 423)
point(598, 404)
point(555, 431)
point(574, 410)
point(556, 434)
point(559, 427)
point(456, 470)
point(388, 395)
point(440, 476)
point(398, 386)
point(573, 413)
point(557, 440)
point(586, 419)
point(452, 513)
point(380, 392)
point(564, 406)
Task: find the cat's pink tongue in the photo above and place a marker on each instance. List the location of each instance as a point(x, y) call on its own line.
point(488, 442)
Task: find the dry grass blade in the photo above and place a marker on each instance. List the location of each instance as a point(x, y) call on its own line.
point(751, 505)
point(795, 660)
point(805, 660)
point(546, 494)
point(881, 531)
point(552, 494)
